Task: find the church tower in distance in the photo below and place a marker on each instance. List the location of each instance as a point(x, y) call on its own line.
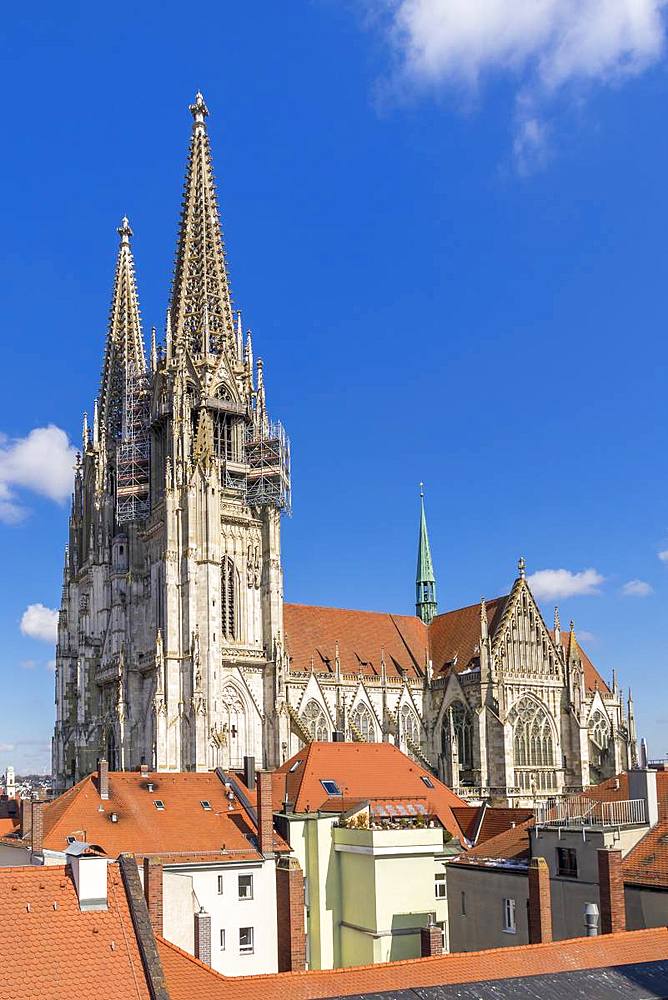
point(425, 580)
point(170, 629)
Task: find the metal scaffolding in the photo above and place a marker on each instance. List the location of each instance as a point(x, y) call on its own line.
point(133, 452)
point(268, 459)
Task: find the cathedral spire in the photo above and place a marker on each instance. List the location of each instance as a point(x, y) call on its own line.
point(425, 581)
point(201, 298)
point(124, 350)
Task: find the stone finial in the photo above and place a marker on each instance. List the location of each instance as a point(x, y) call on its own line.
point(522, 566)
point(124, 231)
point(198, 109)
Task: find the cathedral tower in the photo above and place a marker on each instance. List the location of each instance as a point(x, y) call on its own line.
point(171, 620)
point(425, 581)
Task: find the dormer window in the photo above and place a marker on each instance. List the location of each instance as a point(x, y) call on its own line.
point(159, 805)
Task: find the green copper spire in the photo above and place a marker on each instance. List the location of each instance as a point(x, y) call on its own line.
point(425, 581)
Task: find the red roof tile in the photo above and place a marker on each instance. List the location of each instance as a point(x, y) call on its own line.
point(49, 948)
point(369, 771)
point(186, 977)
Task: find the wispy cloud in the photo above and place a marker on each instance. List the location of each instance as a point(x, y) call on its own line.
point(40, 622)
point(50, 664)
point(41, 462)
point(663, 555)
point(544, 46)
point(551, 584)
point(28, 664)
point(637, 588)
point(6, 747)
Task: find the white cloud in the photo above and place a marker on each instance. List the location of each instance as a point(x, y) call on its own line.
point(663, 556)
point(550, 584)
point(28, 664)
point(6, 747)
point(637, 588)
point(50, 664)
point(585, 635)
point(543, 45)
point(41, 462)
point(40, 622)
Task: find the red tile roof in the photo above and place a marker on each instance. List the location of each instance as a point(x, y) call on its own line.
point(368, 771)
point(49, 948)
point(186, 977)
point(511, 845)
point(451, 641)
point(183, 827)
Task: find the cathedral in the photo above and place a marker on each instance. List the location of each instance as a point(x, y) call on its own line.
point(175, 647)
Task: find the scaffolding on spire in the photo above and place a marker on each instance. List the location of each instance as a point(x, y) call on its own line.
point(133, 502)
point(268, 458)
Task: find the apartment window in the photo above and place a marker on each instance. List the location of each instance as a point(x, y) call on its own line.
point(330, 786)
point(509, 925)
point(246, 943)
point(444, 938)
point(439, 885)
point(220, 885)
point(245, 887)
point(427, 781)
point(159, 804)
point(222, 939)
point(567, 862)
point(463, 901)
point(206, 805)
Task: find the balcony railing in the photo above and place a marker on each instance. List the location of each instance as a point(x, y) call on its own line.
point(582, 811)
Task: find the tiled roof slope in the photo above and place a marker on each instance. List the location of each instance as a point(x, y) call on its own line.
point(362, 771)
point(647, 862)
point(312, 634)
point(49, 948)
point(183, 826)
point(481, 823)
point(511, 845)
point(451, 641)
point(186, 977)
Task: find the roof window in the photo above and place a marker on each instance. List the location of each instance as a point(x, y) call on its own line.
point(330, 786)
point(159, 804)
point(205, 804)
point(427, 781)
point(293, 767)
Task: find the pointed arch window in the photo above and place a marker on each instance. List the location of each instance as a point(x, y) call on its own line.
point(458, 722)
point(228, 598)
point(362, 719)
point(410, 726)
point(599, 730)
point(533, 740)
point(316, 721)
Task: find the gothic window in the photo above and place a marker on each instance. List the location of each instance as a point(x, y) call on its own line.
point(233, 725)
point(410, 727)
point(533, 742)
point(316, 721)
point(599, 731)
point(223, 436)
point(363, 722)
point(228, 599)
point(462, 729)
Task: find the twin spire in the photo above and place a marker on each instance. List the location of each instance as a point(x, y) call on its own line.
point(200, 316)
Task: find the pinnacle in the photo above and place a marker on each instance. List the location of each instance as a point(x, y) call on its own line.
point(198, 108)
point(124, 231)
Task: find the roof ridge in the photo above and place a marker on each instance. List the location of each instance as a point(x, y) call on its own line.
point(68, 805)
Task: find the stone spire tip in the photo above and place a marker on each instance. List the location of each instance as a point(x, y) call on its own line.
point(198, 109)
point(522, 567)
point(124, 231)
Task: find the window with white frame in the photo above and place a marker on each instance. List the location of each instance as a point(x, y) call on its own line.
point(444, 937)
point(220, 885)
point(222, 939)
point(246, 940)
point(509, 924)
point(439, 885)
point(245, 887)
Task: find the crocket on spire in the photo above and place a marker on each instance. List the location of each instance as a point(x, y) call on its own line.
point(124, 349)
point(201, 297)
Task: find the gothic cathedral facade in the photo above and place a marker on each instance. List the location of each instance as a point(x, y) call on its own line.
point(175, 648)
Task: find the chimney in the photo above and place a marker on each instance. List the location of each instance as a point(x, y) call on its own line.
point(265, 814)
point(37, 825)
point(26, 818)
point(642, 785)
point(611, 891)
point(540, 912)
point(89, 874)
point(338, 736)
point(591, 919)
point(431, 940)
point(143, 770)
point(290, 907)
point(249, 773)
point(103, 778)
point(153, 892)
point(203, 936)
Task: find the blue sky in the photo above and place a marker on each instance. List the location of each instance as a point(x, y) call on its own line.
point(446, 228)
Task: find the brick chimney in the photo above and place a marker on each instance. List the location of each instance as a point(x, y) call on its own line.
point(103, 778)
point(203, 936)
point(37, 825)
point(290, 906)
point(26, 818)
point(431, 940)
point(611, 891)
point(265, 814)
point(540, 912)
point(153, 892)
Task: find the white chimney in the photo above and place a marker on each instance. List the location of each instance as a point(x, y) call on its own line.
point(89, 873)
point(642, 785)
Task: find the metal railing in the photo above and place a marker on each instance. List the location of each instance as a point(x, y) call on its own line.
point(582, 811)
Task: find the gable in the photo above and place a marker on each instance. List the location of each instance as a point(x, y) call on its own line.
point(454, 637)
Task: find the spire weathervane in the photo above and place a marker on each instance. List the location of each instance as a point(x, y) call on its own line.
point(198, 109)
